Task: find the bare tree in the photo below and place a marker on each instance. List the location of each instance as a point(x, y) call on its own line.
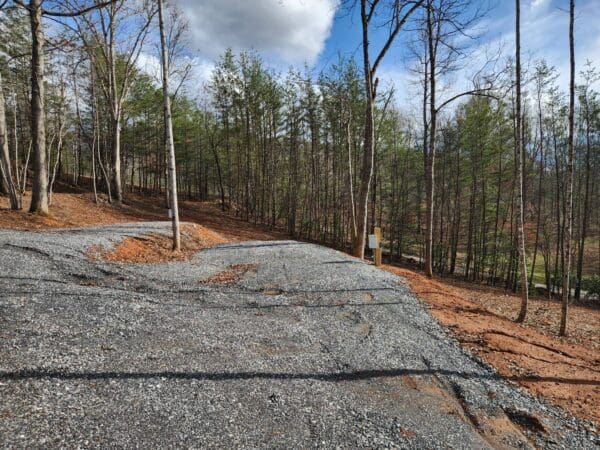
point(444, 20)
point(519, 155)
point(400, 13)
point(5, 165)
point(170, 146)
point(39, 195)
point(566, 289)
point(115, 61)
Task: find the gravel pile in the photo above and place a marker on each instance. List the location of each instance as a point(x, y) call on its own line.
point(310, 348)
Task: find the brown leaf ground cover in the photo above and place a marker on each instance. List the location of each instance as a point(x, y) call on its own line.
point(566, 371)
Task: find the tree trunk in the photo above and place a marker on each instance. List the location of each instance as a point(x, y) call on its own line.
point(117, 188)
point(39, 195)
point(170, 146)
point(57, 164)
point(520, 205)
point(540, 188)
point(430, 155)
point(366, 172)
point(566, 290)
point(5, 165)
point(586, 202)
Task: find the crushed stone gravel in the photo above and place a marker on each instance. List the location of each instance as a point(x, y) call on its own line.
point(309, 348)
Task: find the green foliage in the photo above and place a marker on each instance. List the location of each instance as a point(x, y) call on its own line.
point(592, 286)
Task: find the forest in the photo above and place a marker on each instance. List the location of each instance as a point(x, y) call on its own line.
point(495, 183)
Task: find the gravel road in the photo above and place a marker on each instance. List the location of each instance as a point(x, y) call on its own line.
point(310, 348)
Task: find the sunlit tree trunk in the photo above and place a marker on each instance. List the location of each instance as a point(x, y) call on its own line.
point(519, 162)
point(170, 146)
point(39, 195)
point(5, 164)
point(566, 290)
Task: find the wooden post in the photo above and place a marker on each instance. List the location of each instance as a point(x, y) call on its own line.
point(378, 248)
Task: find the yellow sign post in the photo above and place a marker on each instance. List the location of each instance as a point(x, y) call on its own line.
point(377, 233)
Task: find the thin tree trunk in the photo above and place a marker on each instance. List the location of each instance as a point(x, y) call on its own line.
point(520, 205)
point(366, 172)
point(59, 145)
point(430, 155)
point(586, 203)
point(170, 146)
point(24, 175)
point(569, 182)
point(540, 187)
point(39, 195)
point(5, 164)
point(17, 176)
point(93, 147)
point(350, 183)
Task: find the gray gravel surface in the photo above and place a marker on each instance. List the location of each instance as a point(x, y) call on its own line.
point(310, 349)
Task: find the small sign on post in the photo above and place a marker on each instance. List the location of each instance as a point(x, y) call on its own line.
point(372, 241)
point(378, 246)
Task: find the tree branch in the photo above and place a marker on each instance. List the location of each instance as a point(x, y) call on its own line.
point(473, 92)
point(81, 12)
point(399, 24)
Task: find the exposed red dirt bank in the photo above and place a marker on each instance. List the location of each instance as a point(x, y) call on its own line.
point(564, 371)
point(154, 248)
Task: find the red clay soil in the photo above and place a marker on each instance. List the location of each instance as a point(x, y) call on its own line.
point(67, 210)
point(155, 248)
point(77, 209)
point(565, 371)
point(231, 275)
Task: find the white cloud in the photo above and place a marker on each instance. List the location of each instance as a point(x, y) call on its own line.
point(537, 4)
point(545, 35)
point(200, 71)
point(150, 65)
point(292, 30)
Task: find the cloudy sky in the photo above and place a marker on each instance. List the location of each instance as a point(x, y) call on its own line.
point(292, 32)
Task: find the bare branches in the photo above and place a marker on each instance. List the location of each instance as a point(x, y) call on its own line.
point(399, 23)
point(72, 13)
point(78, 12)
point(473, 92)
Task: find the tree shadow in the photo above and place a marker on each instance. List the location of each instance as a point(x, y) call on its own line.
point(257, 245)
point(334, 377)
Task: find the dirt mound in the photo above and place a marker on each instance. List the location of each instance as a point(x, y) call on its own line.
point(156, 248)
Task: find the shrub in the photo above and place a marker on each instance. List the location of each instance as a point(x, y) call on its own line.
point(592, 286)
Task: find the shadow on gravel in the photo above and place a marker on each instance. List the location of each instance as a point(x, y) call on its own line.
point(261, 245)
point(343, 262)
point(226, 376)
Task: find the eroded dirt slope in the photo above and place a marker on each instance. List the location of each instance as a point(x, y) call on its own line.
point(561, 370)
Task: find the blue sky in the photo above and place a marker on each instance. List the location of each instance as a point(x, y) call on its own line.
point(544, 29)
point(291, 32)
